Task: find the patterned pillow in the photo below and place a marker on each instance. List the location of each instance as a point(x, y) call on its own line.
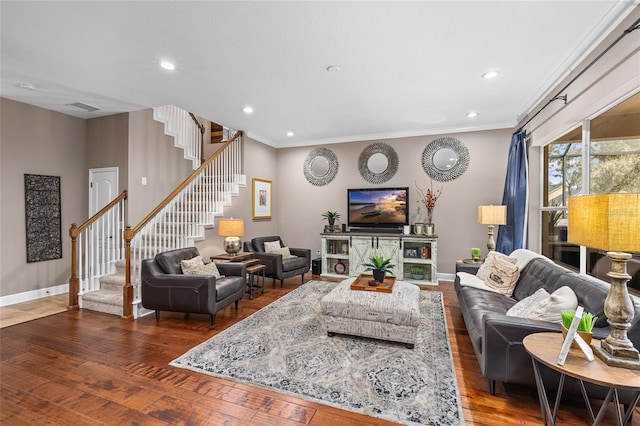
point(548, 309)
point(483, 270)
point(208, 269)
point(503, 276)
point(188, 265)
point(271, 245)
point(523, 307)
point(284, 251)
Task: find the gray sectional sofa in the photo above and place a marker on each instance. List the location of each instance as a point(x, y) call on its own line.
point(497, 338)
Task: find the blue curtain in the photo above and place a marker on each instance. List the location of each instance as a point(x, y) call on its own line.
point(512, 236)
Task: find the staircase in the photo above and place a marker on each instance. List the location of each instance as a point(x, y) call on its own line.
point(179, 221)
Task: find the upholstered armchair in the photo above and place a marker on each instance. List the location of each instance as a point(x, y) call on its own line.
point(165, 288)
point(281, 263)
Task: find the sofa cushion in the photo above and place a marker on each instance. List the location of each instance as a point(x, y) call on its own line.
point(539, 273)
point(170, 260)
point(294, 262)
point(549, 308)
point(523, 307)
point(503, 276)
point(270, 246)
point(483, 271)
point(208, 269)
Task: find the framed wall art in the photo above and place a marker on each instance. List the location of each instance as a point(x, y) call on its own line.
point(43, 217)
point(261, 199)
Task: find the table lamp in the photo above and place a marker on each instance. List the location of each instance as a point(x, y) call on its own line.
point(232, 229)
point(491, 216)
point(611, 222)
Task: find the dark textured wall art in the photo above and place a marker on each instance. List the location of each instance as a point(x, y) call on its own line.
point(43, 217)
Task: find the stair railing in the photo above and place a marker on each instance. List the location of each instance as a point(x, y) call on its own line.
point(179, 218)
point(95, 247)
point(186, 133)
point(202, 129)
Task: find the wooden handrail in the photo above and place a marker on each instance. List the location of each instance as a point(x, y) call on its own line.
point(180, 187)
point(202, 130)
point(74, 232)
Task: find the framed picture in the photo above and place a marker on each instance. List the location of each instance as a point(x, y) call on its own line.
point(261, 199)
point(411, 252)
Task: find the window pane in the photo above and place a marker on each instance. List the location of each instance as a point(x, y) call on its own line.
point(615, 166)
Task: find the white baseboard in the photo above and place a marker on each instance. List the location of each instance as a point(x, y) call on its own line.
point(12, 299)
point(446, 277)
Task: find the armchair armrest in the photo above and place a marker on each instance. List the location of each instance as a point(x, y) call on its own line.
point(272, 261)
point(301, 252)
point(232, 268)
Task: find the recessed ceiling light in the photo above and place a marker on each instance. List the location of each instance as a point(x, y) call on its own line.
point(472, 114)
point(168, 65)
point(490, 74)
point(290, 133)
point(247, 110)
point(333, 68)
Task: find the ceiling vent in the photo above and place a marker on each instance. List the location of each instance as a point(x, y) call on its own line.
point(84, 107)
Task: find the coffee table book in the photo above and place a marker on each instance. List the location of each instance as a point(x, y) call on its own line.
point(362, 283)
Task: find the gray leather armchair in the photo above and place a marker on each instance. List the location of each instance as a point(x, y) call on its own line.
point(277, 267)
point(165, 288)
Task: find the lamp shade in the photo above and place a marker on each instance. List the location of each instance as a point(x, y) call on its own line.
point(609, 222)
point(231, 227)
point(492, 215)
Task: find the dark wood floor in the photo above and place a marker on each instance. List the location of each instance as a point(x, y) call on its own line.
point(86, 368)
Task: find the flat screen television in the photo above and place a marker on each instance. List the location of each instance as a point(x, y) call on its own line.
point(378, 207)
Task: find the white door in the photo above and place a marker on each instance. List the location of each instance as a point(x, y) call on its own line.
point(103, 188)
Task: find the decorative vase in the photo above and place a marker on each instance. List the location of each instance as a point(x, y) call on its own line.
point(586, 336)
point(379, 274)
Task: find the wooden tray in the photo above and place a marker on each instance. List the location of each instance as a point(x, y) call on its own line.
point(362, 283)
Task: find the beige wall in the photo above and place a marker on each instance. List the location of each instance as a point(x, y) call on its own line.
point(152, 154)
point(38, 141)
point(107, 145)
point(301, 204)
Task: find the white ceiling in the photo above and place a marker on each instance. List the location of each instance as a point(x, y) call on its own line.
point(407, 68)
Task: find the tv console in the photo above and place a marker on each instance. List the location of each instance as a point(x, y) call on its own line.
point(343, 254)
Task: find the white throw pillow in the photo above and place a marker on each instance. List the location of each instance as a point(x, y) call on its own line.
point(271, 245)
point(208, 269)
point(190, 264)
point(503, 276)
point(483, 270)
point(284, 251)
point(548, 309)
point(523, 307)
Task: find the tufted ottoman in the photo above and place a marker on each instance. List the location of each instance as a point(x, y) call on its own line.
point(391, 316)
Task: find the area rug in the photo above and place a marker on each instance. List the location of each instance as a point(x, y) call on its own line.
point(284, 347)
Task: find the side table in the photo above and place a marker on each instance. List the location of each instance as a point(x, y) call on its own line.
point(254, 267)
point(544, 349)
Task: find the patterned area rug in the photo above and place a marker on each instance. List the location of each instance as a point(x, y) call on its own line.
point(285, 347)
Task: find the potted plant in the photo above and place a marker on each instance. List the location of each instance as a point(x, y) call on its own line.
point(379, 266)
point(417, 272)
point(331, 217)
point(585, 326)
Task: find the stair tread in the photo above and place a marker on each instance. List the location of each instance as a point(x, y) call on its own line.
point(107, 297)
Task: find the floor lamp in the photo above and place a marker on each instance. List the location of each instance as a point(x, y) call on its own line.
point(492, 216)
point(232, 229)
point(611, 222)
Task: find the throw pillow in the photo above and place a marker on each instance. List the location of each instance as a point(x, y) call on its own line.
point(208, 269)
point(284, 251)
point(523, 307)
point(470, 280)
point(503, 276)
point(189, 264)
point(549, 309)
point(271, 245)
point(483, 270)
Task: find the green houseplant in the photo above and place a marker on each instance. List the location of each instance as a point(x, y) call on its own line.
point(585, 326)
point(417, 272)
point(331, 216)
point(379, 266)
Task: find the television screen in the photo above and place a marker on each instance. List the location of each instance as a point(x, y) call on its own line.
point(378, 207)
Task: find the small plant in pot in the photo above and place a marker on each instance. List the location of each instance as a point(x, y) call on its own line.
point(585, 326)
point(417, 272)
point(331, 216)
point(379, 267)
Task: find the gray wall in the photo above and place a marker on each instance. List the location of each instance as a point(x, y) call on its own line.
point(38, 141)
point(301, 204)
point(107, 142)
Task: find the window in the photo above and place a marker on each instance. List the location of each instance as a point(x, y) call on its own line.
point(612, 143)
